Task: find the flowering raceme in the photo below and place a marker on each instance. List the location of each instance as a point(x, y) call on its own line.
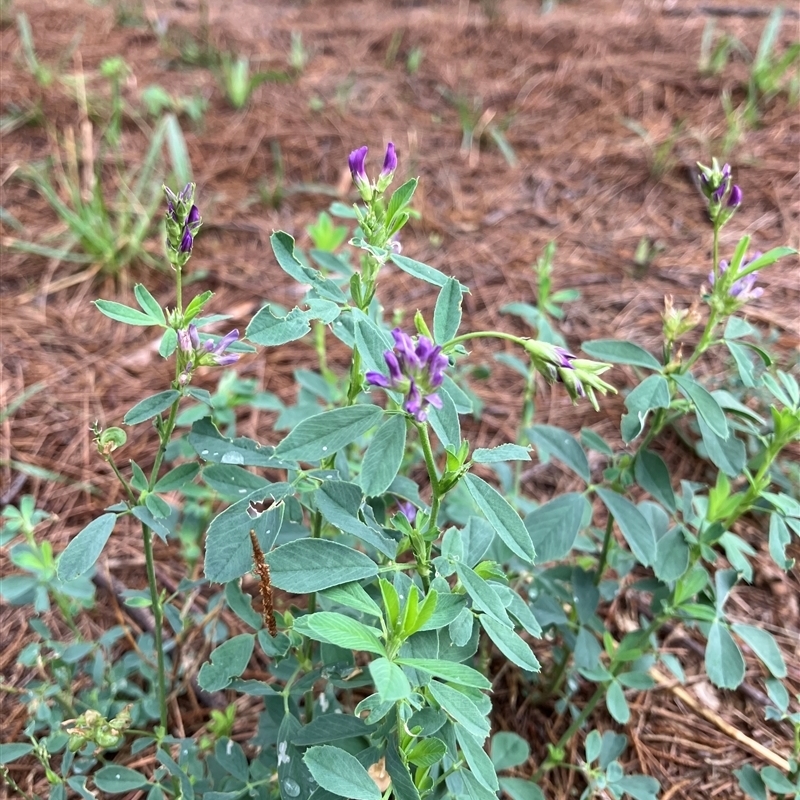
point(415, 370)
point(205, 354)
point(742, 289)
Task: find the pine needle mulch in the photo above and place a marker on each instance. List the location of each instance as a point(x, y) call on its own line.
point(587, 101)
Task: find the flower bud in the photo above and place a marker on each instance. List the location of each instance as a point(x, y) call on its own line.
point(357, 163)
point(389, 167)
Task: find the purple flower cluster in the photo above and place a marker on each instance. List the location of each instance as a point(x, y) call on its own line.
point(743, 289)
point(357, 162)
point(205, 354)
point(183, 220)
point(415, 370)
point(716, 185)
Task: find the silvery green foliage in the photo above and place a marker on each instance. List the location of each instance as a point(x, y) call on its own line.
point(379, 678)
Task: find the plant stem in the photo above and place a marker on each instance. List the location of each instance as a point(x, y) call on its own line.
point(601, 564)
point(158, 618)
point(484, 335)
point(165, 434)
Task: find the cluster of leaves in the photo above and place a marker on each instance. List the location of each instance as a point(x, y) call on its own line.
point(377, 681)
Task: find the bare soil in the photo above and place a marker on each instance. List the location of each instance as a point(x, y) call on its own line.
point(568, 88)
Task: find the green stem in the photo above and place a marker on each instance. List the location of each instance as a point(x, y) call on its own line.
point(601, 564)
point(708, 333)
point(179, 288)
point(158, 619)
point(165, 434)
point(484, 335)
point(590, 706)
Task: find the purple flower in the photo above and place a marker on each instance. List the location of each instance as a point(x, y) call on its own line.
point(357, 163)
point(221, 358)
point(735, 197)
point(194, 216)
point(187, 241)
point(185, 341)
point(408, 510)
point(742, 289)
point(416, 370)
point(389, 161)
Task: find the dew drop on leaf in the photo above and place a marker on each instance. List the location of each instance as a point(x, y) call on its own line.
point(290, 787)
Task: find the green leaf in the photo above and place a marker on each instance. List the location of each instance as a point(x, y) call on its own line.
point(149, 304)
point(177, 478)
point(750, 782)
point(461, 708)
point(427, 752)
point(483, 596)
point(390, 681)
point(727, 454)
point(593, 441)
point(229, 551)
point(653, 476)
point(763, 644)
point(196, 305)
point(283, 247)
point(672, 556)
point(169, 343)
point(744, 363)
point(447, 314)
point(325, 434)
point(403, 787)
point(444, 421)
point(384, 456)
point(401, 197)
point(502, 516)
point(620, 353)
point(450, 671)
point(84, 549)
point(634, 526)
point(510, 644)
point(331, 728)
point(122, 313)
point(724, 662)
point(116, 779)
point(652, 392)
point(270, 330)
point(554, 527)
point(478, 760)
point(150, 406)
point(211, 446)
point(11, 751)
point(509, 750)
point(705, 404)
point(353, 595)
point(228, 661)
point(779, 539)
point(338, 502)
point(639, 787)
point(504, 452)
point(292, 773)
point(770, 257)
point(616, 703)
point(777, 782)
point(550, 440)
point(521, 789)
point(335, 770)
point(311, 565)
point(422, 271)
point(343, 631)
point(371, 341)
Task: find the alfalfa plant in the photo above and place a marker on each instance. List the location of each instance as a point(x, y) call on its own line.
point(406, 569)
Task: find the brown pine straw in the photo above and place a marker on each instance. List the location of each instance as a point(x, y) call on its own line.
point(750, 744)
point(265, 585)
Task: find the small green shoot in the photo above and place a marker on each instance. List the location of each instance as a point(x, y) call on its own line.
point(237, 81)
